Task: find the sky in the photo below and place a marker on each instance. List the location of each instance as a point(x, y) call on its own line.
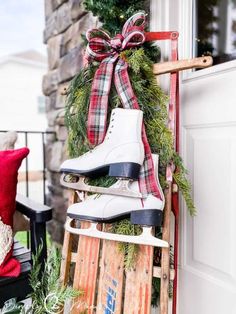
point(21, 26)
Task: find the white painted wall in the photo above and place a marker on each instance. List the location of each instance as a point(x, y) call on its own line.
point(20, 85)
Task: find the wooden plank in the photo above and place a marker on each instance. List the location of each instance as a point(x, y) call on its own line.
point(66, 257)
point(67, 245)
point(165, 257)
point(111, 278)
point(157, 272)
point(86, 270)
point(138, 286)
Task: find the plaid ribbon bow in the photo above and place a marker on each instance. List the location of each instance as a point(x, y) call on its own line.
point(106, 50)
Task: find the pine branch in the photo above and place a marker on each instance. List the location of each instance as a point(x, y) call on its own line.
point(47, 287)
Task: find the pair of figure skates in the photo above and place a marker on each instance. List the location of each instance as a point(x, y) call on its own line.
point(120, 155)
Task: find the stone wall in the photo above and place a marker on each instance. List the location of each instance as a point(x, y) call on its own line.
point(65, 21)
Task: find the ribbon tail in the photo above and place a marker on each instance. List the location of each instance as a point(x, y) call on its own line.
point(147, 178)
point(97, 114)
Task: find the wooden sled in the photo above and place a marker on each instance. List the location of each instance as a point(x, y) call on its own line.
point(99, 265)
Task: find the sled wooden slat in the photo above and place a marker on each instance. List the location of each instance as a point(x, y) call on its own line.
point(86, 271)
point(157, 273)
point(67, 247)
point(111, 278)
point(138, 286)
point(66, 257)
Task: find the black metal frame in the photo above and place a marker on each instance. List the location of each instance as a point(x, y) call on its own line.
point(27, 135)
point(38, 214)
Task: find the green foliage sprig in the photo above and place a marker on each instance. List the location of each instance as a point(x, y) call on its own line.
point(130, 250)
point(48, 292)
point(48, 295)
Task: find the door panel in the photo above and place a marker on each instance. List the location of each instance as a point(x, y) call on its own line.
point(207, 271)
point(207, 265)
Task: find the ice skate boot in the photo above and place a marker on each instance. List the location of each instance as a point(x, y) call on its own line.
point(109, 208)
point(120, 155)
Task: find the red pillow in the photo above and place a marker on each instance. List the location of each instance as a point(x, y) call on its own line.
point(10, 161)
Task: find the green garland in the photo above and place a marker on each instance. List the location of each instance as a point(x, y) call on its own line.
point(153, 103)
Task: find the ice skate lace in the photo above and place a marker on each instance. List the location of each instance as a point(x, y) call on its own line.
point(6, 240)
point(111, 126)
point(109, 132)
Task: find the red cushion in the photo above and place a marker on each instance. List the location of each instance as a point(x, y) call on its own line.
point(10, 161)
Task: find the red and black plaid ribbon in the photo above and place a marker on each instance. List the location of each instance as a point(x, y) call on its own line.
point(106, 50)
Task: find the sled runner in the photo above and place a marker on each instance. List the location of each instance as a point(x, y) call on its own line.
point(99, 265)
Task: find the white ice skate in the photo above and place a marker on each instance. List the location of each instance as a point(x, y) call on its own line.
point(107, 208)
point(120, 155)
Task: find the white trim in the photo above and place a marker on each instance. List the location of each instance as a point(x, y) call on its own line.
point(159, 21)
point(212, 71)
point(159, 15)
point(186, 32)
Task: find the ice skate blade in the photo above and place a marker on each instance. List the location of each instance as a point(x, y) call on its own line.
point(122, 188)
point(146, 238)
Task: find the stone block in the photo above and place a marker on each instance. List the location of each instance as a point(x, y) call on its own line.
point(64, 19)
point(51, 102)
point(77, 9)
point(60, 98)
point(56, 117)
point(50, 82)
point(55, 189)
point(55, 153)
point(48, 8)
point(56, 3)
point(63, 88)
point(54, 178)
point(47, 103)
point(72, 37)
point(60, 118)
point(51, 27)
point(61, 132)
point(50, 135)
point(71, 64)
point(54, 48)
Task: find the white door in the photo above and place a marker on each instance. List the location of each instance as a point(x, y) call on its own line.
point(207, 265)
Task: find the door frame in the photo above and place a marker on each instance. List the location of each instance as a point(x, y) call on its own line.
point(163, 17)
